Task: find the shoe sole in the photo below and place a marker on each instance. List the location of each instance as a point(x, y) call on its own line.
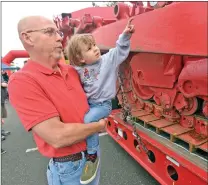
point(92, 178)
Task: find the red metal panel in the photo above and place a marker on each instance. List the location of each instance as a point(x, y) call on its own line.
point(149, 118)
point(104, 12)
point(193, 141)
point(193, 78)
point(167, 162)
point(161, 123)
point(164, 68)
point(175, 129)
point(179, 28)
point(140, 113)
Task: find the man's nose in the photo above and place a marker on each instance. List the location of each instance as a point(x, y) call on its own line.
point(59, 37)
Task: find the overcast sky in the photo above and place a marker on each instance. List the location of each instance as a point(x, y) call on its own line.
point(12, 12)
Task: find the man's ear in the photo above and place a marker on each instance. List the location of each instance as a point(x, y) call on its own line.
point(27, 38)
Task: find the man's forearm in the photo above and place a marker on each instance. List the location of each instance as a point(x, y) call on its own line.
point(74, 133)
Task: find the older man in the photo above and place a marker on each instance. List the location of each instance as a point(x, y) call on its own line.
point(51, 103)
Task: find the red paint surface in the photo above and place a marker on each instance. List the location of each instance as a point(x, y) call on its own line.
point(179, 28)
point(188, 173)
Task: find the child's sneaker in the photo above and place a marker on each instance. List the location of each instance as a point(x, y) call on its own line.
point(90, 169)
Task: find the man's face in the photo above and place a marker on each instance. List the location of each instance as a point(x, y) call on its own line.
point(46, 39)
point(90, 53)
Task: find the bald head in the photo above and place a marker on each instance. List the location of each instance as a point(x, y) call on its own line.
point(32, 22)
point(40, 38)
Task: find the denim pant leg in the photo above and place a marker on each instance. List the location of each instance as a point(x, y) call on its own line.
point(52, 175)
point(69, 173)
point(96, 112)
point(65, 173)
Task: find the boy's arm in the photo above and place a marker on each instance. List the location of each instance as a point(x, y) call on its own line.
point(119, 54)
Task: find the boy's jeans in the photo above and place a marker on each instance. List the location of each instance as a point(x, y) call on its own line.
point(69, 173)
point(97, 111)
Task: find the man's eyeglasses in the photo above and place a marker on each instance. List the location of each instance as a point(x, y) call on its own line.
point(48, 31)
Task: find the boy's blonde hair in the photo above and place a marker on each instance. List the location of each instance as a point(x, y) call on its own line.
point(73, 49)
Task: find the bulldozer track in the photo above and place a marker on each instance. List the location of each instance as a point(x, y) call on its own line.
point(173, 131)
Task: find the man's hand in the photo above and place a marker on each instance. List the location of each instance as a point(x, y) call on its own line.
point(103, 122)
point(129, 27)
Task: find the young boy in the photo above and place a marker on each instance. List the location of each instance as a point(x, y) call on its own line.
point(98, 75)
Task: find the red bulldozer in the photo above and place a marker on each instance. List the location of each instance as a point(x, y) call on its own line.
point(162, 87)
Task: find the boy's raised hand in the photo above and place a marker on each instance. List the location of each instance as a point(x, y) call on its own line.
point(129, 27)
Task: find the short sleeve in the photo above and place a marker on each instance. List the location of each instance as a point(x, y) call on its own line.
point(30, 101)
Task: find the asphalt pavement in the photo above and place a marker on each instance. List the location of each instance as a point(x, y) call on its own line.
point(21, 168)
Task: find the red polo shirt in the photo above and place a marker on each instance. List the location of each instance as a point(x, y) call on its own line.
point(38, 93)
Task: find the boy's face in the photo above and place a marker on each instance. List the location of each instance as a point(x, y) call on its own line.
point(90, 53)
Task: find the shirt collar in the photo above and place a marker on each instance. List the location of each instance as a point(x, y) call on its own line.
point(45, 70)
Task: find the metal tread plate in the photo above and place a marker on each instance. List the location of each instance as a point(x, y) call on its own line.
point(195, 159)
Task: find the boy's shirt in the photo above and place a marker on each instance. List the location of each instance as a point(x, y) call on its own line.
point(99, 79)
